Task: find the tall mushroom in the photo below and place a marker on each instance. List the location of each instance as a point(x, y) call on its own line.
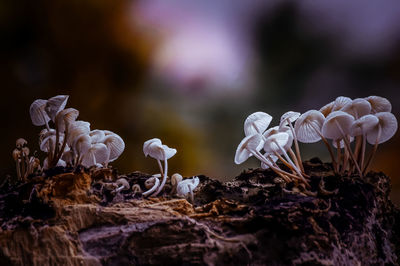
point(286, 120)
point(308, 130)
point(337, 127)
point(361, 127)
point(381, 132)
point(156, 150)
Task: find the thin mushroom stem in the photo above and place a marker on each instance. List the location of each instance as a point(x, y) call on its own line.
point(346, 161)
point(191, 194)
point(284, 161)
point(296, 145)
point(359, 140)
point(290, 161)
point(328, 146)
point(286, 178)
point(56, 148)
point(277, 170)
point(371, 156)
point(152, 189)
point(294, 157)
point(44, 119)
point(347, 143)
point(64, 144)
point(339, 154)
point(18, 169)
point(160, 166)
point(364, 144)
point(164, 177)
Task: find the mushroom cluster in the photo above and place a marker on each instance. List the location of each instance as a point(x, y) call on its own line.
point(343, 121)
point(71, 141)
point(25, 164)
point(277, 145)
point(155, 149)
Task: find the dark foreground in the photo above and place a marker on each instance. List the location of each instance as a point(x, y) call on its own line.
point(75, 219)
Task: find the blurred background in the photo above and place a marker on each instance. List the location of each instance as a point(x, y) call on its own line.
point(189, 72)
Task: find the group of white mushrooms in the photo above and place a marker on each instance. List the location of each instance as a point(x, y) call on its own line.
point(155, 149)
point(342, 121)
point(71, 142)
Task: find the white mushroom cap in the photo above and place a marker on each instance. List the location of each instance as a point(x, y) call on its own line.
point(256, 123)
point(123, 182)
point(97, 136)
point(273, 158)
point(150, 182)
point(38, 116)
point(147, 145)
point(184, 185)
point(363, 125)
point(55, 104)
point(330, 128)
point(271, 131)
point(327, 109)
point(97, 153)
point(357, 108)
point(66, 116)
point(275, 142)
point(388, 125)
point(289, 117)
point(340, 102)
point(379, 104)
point(115, 145)
point(175, 179)
point(76, 129)
point(82, 144)
point(248, 144)
point(156, 150)
point(308, 125)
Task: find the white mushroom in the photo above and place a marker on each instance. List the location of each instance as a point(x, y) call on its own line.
point(153, 188)
point(357, 108)
point(308, 130)
point(55, 104)
point(175, 179)
point(274, 145)
point(97, 136)
point(327, 109)
point(81, 146)
point(286, 120)
point(256, 123)
point(248, 147)
point(187, 186)
point(122, 185)
point(379, 104)
point(156, 150)
point(115, 145)
point(337, 126)
point(97, 154)
point(381, 132)
point(38, 115)
point(76, 129)
point(340, 102)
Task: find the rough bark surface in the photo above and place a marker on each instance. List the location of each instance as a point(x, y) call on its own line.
point(75, 219)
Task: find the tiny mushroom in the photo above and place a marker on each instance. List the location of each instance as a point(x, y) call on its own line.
point(155, 183)
point(55, 104)
point(122, 185)
point(357, 108)
point(187, 186)
point(38, 115)
point(97, 154)
point(115, 145)
point(175, 179)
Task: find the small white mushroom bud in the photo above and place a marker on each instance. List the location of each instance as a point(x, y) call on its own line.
point(187, 186)
point(122, 185)
point(175, 179)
